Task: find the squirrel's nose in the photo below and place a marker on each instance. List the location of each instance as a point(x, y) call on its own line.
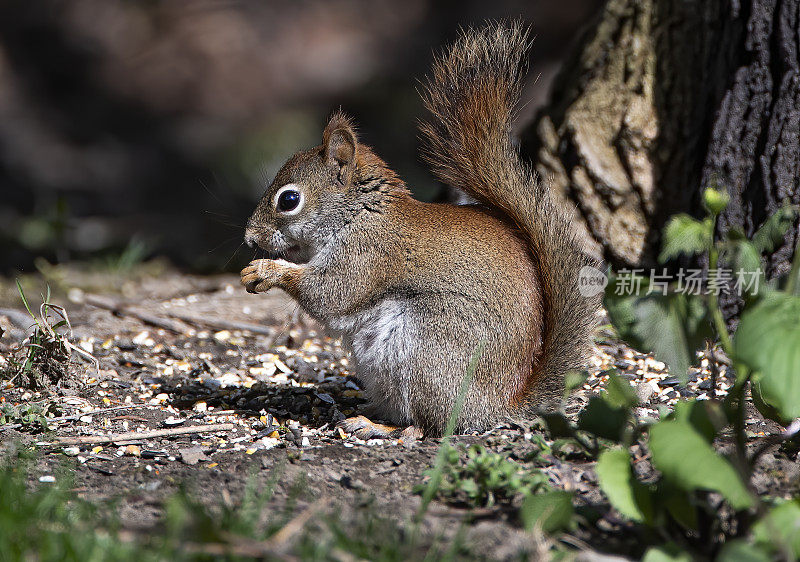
point(250, 237)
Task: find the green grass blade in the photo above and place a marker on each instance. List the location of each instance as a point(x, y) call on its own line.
point(438, 468)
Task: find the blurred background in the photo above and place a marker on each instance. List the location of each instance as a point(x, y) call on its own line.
point(130, 130)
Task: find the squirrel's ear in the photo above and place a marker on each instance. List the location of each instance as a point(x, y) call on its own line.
point(339, 142)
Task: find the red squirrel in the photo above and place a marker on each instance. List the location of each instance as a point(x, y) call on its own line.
point(415, 288)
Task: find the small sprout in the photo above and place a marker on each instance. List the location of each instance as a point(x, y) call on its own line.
point(715, 200)
point(42, 360)
point(485, 479)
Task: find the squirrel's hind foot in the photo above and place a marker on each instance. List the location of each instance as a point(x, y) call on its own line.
point(364, 428)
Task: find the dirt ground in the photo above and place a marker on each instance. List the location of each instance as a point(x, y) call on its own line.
point(177, 351)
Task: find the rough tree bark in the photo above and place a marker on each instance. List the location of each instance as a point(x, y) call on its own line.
point(662, 98)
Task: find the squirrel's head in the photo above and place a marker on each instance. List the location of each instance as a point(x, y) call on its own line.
point(317, 192)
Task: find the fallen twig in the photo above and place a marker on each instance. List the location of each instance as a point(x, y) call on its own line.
point(245, 548)
point(275, 546)
point(215, 413)
point(280, 540)
point(768, 441)
point(122, 309)
point(222, 324)
point(97, 411)
point(79, 416)
point(140, 435)
point(129, 417)
point(177, 321)
point(17, 318)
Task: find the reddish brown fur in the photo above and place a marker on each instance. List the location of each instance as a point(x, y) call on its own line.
point(468, 145)
point(414, 286)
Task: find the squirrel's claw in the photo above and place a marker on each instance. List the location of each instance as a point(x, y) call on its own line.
point(364, 428)
point(262, 275)
point(254, 276)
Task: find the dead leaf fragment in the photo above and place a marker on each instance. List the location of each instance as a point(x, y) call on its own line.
point(192, 455)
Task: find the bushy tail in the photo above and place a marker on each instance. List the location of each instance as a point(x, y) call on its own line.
point(467, 141)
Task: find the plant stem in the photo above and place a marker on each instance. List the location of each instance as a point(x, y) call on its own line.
point(791, 283)
point(438, 468)
point(712, 363)
point(716, 312)
point(741, 437)
point(789, 433)
point(736, 404)
point(591, 448)
point(742, 375)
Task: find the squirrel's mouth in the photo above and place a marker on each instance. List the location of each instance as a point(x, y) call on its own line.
point(278, 246)
point(292, 254)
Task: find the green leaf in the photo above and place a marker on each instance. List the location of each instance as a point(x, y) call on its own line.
point(742, 256)
point(689, 462)
point(670, 553)
point(771, 233)
point(678, 505)
point(470, 487)
point(763, 407)
point(705, 416)
point(768, 342)
point(715, 200)
point(557, 425)
point(685, 235)
point(619, 394)
point(620, 486)
point(551, 510)
point(24, 300)
point(573, 380)
point(603, 420)
point(779, 530)
point(740, 551)
point(672, 326)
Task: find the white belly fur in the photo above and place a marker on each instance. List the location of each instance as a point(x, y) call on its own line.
point(381, 340)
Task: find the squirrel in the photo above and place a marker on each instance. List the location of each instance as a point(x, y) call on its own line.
point(423, 293)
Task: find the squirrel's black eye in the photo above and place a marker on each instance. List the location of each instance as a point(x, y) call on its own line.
point(288, 200)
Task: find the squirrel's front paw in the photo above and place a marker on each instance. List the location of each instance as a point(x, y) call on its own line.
point(260, 275)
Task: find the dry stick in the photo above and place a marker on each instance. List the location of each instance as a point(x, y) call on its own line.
point(125, 310)
point(221, 324)
point(97, 411)
point(140, 435)
point(19, 319)
point(712, 363)
point(342, 556)
point(276, 545)
point(248, 550)
point(129, 417)
point(104, 410)
point(216, 413)
point(78, 416)
point(242, 547)
point(170, 324)
point(281, 539)
point(775, 439)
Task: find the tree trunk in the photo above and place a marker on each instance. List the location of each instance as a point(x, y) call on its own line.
point(663, 98)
